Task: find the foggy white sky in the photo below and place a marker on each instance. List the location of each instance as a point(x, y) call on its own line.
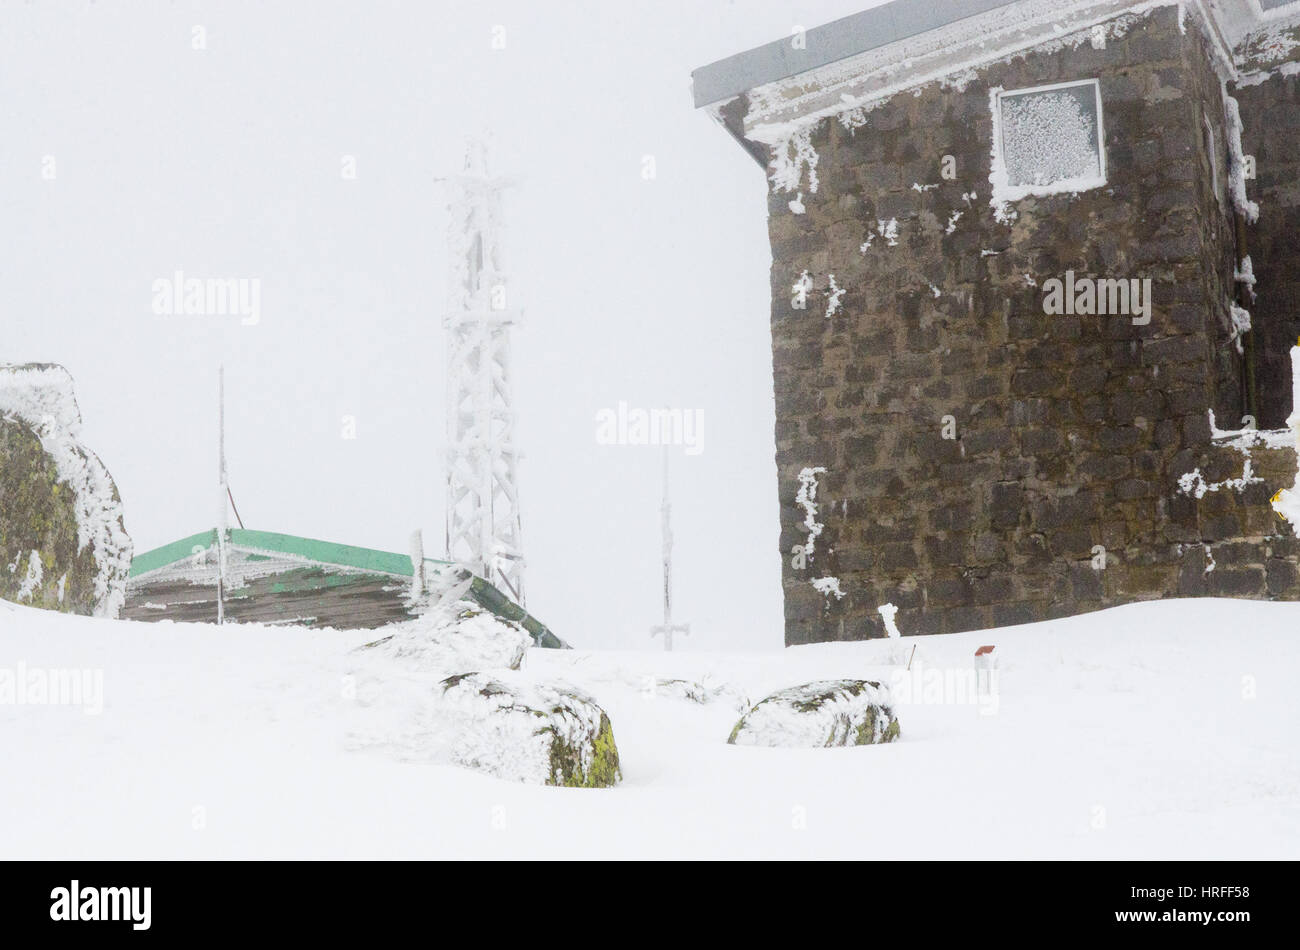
point(225, 162)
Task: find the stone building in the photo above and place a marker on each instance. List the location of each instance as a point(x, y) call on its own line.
point(1034, 284)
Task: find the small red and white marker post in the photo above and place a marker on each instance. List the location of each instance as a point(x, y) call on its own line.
point(986, 670)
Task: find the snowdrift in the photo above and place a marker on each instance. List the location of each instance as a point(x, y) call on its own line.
point(1157, 730)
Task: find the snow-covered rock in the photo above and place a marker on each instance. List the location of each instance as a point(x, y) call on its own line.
point(701, 693)
point(539, 733)
point(454, 640)
point(63, 545)
point(820, 714)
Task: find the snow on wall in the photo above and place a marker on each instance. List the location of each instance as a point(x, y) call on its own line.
point(1193, 483)
point(833, 296)
point(791, 157)
point(887, 613)
point(1237, 160)
point(806, 498)
point(41, 397)
point(1273, 45)
point(1264, 75)
point(1240, 317)
point(887, 230)
point(828, 587)
point(1287, 502)
point(799, 289)
point(1245, 274)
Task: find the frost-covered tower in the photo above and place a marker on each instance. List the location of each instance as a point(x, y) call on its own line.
point(1034, 304)
point(483, 531)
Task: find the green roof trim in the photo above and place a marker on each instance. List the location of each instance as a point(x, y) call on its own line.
point(324, 552)
point(342, 555)
point(310, 549)
point(171, 553)
point(498, 603)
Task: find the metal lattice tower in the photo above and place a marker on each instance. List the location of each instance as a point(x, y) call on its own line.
point(483, 530)
point(668, 627)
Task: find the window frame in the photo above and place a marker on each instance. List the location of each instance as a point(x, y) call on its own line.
point(1010, 192)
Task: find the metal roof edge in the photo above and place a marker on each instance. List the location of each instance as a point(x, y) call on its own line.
point(161, 557)
point(312, 549)
point(904, 23)
point(857, 33)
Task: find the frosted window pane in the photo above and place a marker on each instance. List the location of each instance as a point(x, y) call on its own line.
point(1050, 136)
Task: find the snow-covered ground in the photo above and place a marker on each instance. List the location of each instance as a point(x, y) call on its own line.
point(1159, 730)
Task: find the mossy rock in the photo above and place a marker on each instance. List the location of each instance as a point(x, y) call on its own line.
point(820, 715)
point(42, 559)
point(543, 733)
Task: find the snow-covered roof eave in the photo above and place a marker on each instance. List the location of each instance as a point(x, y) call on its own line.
point(878, 53)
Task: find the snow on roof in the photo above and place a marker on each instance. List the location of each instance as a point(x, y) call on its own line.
point(267, 542)
point(865, 58)
point(848, 36)
point(286, 547)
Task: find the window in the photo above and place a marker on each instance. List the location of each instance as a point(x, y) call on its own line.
point(1048, 140)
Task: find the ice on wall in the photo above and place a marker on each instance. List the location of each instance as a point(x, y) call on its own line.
point(1240, 325)
point(1237, 160)
point(790, 158)
point(885, 229)
point(1245, 274)
point(799, 290)
point(833, 297)
point(828, 587)
point(1193, 483)
point(806, 498)
point(887, 613)
point(1272, 46)
point(1287, 502)
point(1050, 137)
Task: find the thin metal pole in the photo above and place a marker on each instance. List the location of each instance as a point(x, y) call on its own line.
point(222, 517)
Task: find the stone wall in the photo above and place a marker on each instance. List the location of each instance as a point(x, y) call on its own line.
point(1270, 110)
point(1069, 434)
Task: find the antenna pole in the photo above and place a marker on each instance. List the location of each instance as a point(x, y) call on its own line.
point(222, 485)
